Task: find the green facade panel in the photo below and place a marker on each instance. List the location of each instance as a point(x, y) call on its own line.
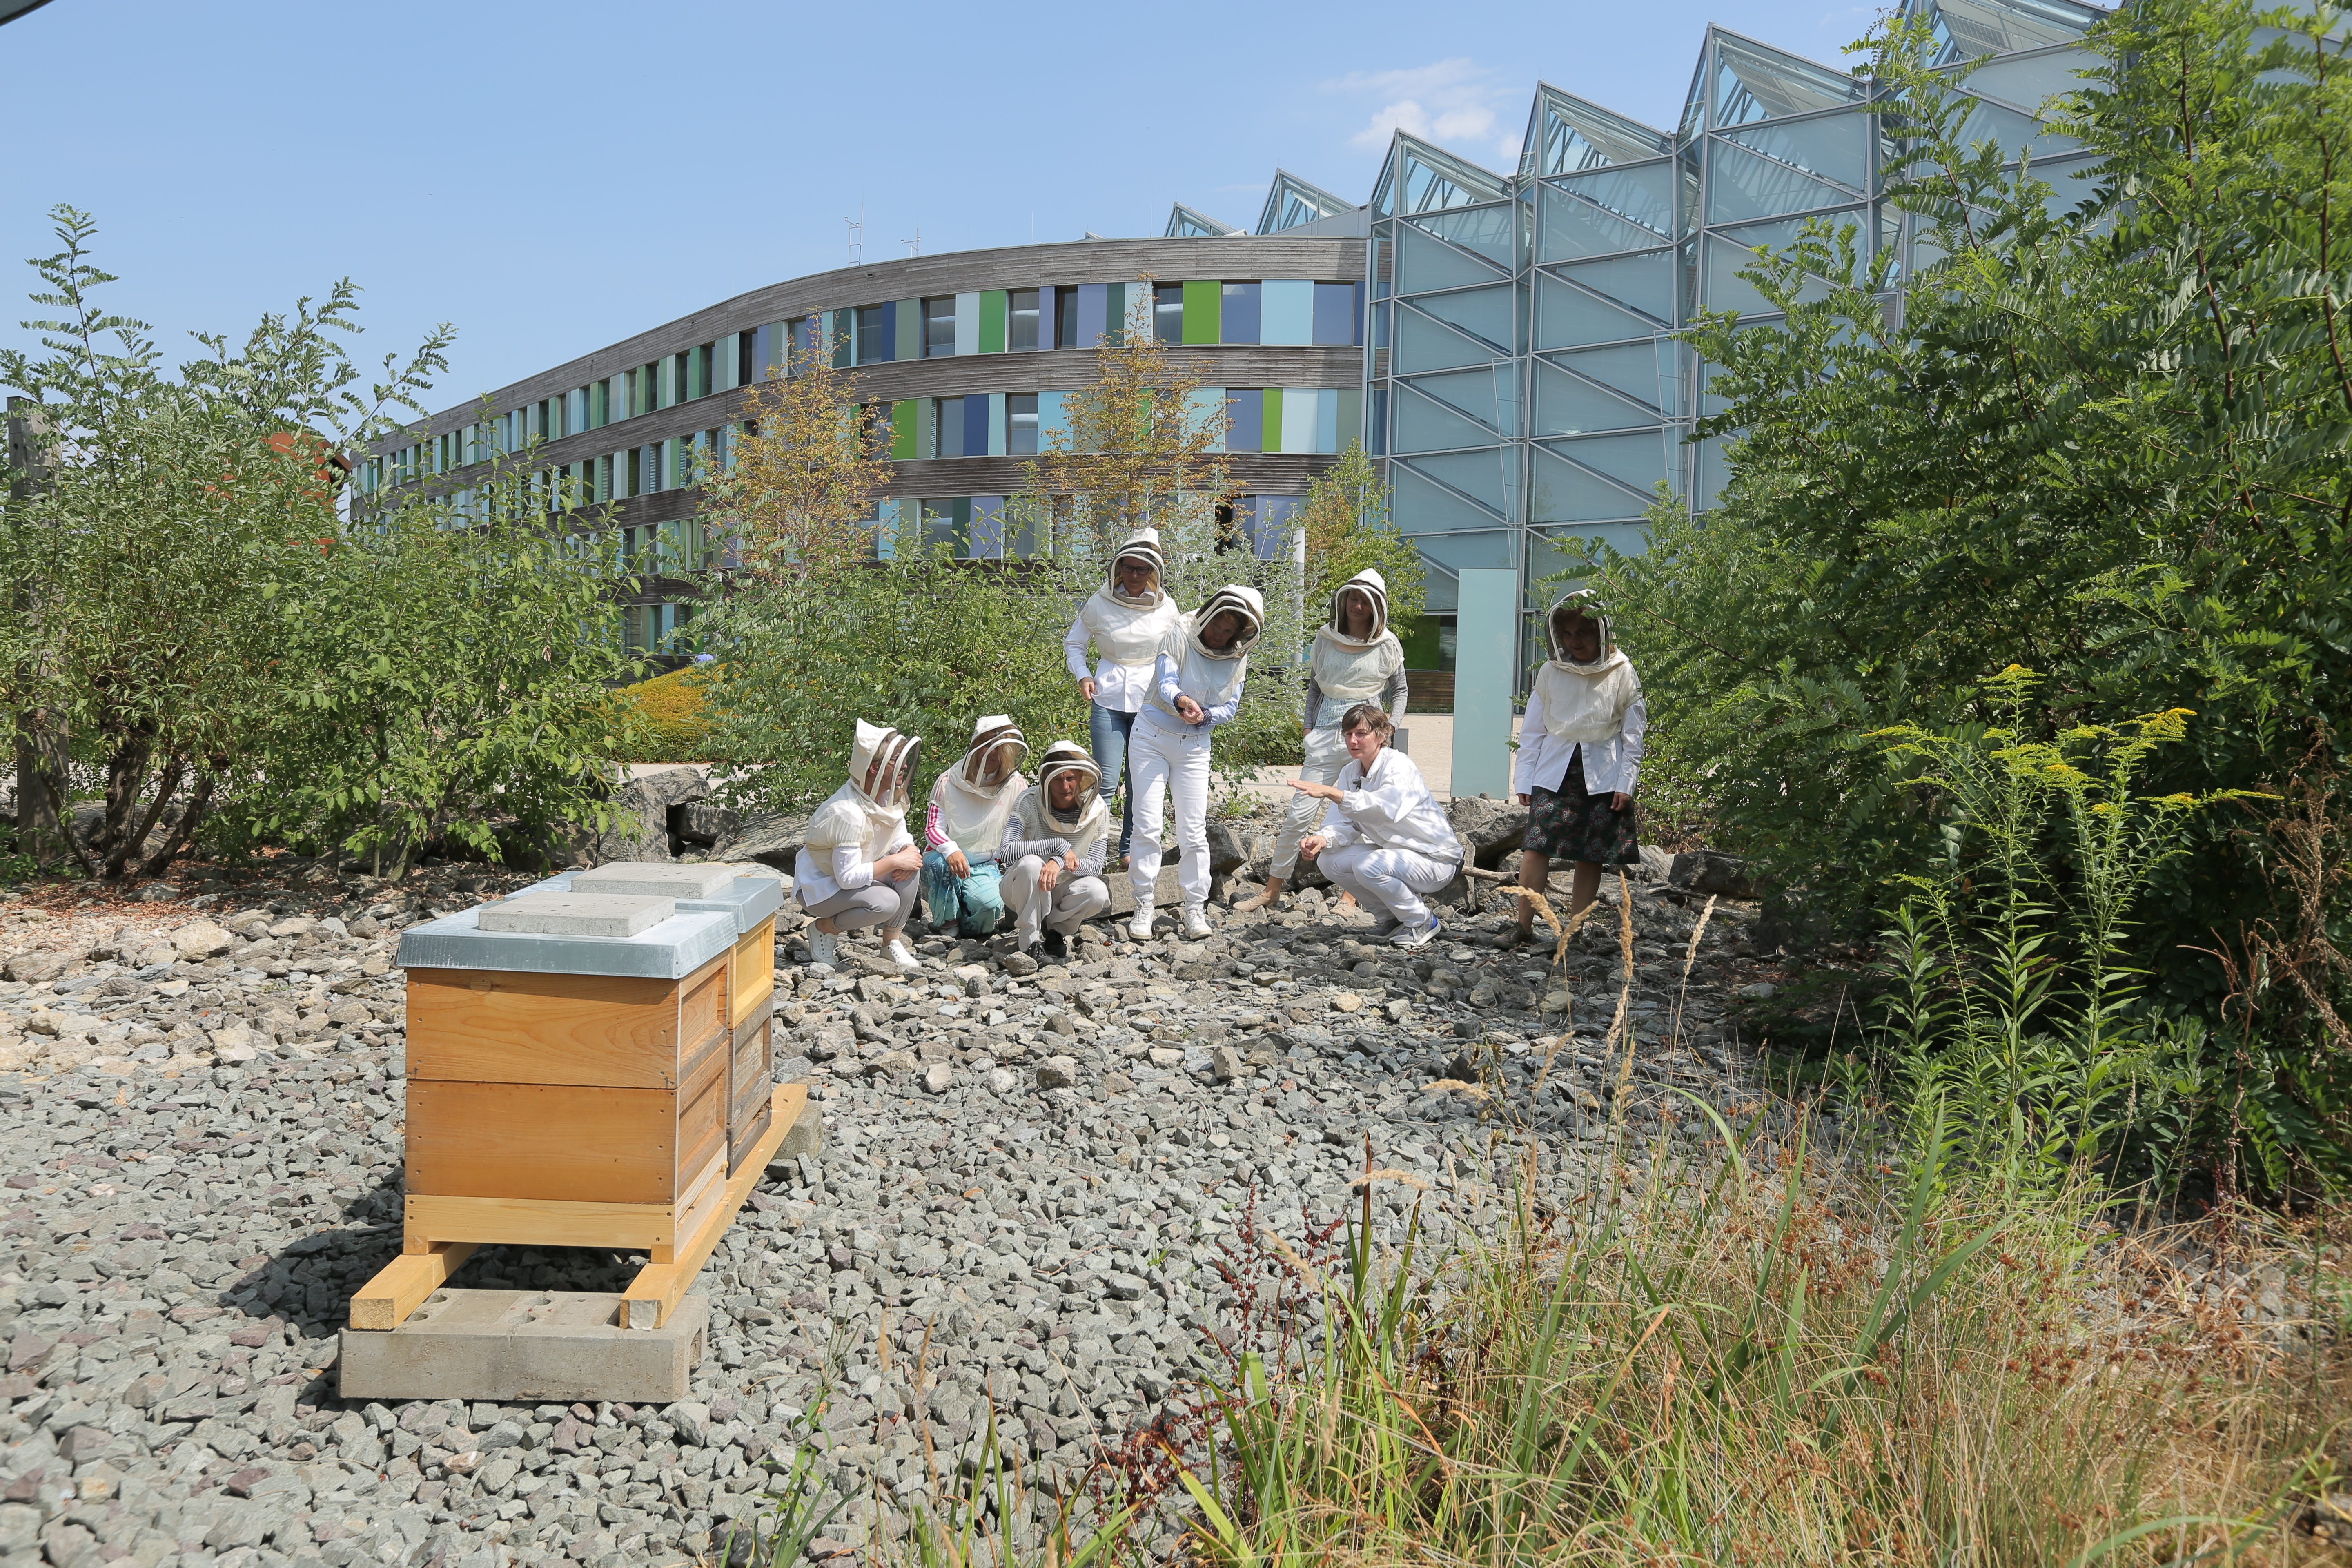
point(1204, 303)
point(902, 428)
point(991, 321)
point(1270, 429)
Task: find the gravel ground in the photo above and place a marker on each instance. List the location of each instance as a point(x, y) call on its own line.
point(1027, 1178)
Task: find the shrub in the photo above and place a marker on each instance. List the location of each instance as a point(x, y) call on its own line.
point(674, 723)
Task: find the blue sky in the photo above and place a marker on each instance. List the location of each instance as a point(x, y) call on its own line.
point(554, 177)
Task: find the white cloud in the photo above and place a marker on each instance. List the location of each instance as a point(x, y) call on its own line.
point(1452, 102)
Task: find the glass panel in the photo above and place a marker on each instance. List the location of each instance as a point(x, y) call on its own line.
point(1291, 200)
point(1966, 29)
point(1740, 185)
point(2030, 82)
point(1424, 264)
point(1484, 477)
point(1486, 313)
point(2069, 180)
point(1729, 253)
point(1632, 369)
point(1835, 146)
point(1569, 405)
point(1549, 554)
point(1423, 424)
point(1020, 319)
point(1565, 133)
point(939, 327)
point(1240, 312)
point(1570, 228)
point(1420, 178)
point(1334, 314)
point(1753, 83)
point(1488, 396)
point(1245, 419)
point(1021, 425)
point(1424, 344)
point(2013, 131)
point(1560, 491)
point(1167, 312)
point(1455, 554)
point(1645, 282)
point(950, 427)
point(1568, 318)
point(1492, 231)
point(1422, 505)
point(1636, 460)
point(1644, 193)
point(876, 328)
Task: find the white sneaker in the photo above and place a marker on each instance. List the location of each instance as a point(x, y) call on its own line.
point(1413, 936)
point(1138, 926)
point(824, 947)
point(898, 953)
point(1196, 922)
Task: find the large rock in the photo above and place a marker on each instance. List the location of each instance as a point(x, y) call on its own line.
point(33, 968)
point(773, 838)
point(1705, 871)
point(200, 940)
point(640, 829)
point(1227, 852)
point(708, 822)
point(1494, 830)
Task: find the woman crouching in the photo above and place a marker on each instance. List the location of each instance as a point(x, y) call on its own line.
point(858, 866)
point(1054, 850)
point(1384, 837)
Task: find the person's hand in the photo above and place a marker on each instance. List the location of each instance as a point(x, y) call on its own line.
point(1048, 874)
point(1619, 801)
point(1189, 710)
point(899, 864)
point(1523, 800)
point(1311, 845)
point(1320, 791)
point(1086, 688)
point(958, 864)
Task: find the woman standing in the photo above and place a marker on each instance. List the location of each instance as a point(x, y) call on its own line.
point(1356, 658)
point(971, 804)
point(1197, 686)
point(1052, 854)
point(1127, 620)
point(858, 865)
point(1580, 755)
point(1384, 836)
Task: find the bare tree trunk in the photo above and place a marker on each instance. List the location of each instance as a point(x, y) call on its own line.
point(126, 771)
point(41, 787)
point(198, 802)
point(167, 785)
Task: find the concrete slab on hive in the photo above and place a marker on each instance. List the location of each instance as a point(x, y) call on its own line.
point(753, 893)
point(536, 1345)
point(577, 914)
point(655, 878)
point(671, 950)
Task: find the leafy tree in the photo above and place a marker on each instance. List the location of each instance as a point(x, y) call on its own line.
point(167, 512)
point(1346, 519)
point(2103, 437)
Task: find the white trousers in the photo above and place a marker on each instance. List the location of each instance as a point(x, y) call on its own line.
point(1393, 879)
point(1167, 758)
point(1071, 902)
point(1327, 753)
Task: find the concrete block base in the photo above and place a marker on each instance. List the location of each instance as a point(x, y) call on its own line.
point(538, 1345)
point(575, 914)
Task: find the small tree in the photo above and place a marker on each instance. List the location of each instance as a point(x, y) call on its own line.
point(798, 493)
point(144, 645)
point(1346, 519)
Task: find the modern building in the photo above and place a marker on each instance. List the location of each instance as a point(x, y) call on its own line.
point(1515, 362)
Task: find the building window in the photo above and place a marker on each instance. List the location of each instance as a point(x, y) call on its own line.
point(876, 326)
point(1246, 419)
point(1021, 424)
point(1065, 319)
point(1020, 319)
point(939, 327)
point(1334, 314)
point(949, 426)
point(1167, 312)
point(1241, 310)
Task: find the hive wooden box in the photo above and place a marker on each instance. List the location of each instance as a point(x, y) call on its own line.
point(553, 1105)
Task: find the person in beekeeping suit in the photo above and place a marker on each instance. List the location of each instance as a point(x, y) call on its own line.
point(971, 804)
point(1355, 658)
point(1054, 850)
point(858, 866)
point(1580, 755)
point(1125, 619)
point(1197, 682)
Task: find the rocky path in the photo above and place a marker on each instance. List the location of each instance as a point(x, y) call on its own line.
point(1028, 1177)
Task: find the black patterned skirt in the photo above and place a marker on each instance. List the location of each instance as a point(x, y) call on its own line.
point(1567, 824)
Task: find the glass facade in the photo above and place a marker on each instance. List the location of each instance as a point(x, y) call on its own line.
point(1526, 381)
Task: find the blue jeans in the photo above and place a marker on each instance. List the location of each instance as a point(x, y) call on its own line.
point(973, 904)
point(1107, 730)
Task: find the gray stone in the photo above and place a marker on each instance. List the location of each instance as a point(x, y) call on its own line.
point(576, 914)
point(1057, 1072)
point(200, 940)
point(690, 1421)
point(36, 968)
point(773, 838)
point(938, 1078)
point(1705, 871)
point(1493, 829)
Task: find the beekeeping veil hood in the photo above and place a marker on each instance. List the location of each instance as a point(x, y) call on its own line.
point(1144, 546)
point(1245, 602)
point(1065, 758)
point(870, 807)
point(1583, 701)
point(972, 808)
point(1372, 586)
